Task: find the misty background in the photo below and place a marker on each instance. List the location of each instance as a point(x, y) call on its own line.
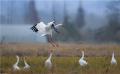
point(83, 20)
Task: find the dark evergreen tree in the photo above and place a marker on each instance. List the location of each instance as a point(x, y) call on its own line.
point(53, 11)
point(112, 30)
point(80, 17)
point(31, 16)
point(10, 13)
point(68, 32)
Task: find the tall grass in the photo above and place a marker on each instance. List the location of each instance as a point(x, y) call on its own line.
point(65, 60)
point(62, 50)
point(62, 65)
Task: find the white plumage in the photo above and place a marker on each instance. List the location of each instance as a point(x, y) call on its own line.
point(58, 26)
point(15, 66)
point(27, 66)
point(113, 60)
point(82, 62)
point(41, 28)
point(48, 63)
point(44, 29)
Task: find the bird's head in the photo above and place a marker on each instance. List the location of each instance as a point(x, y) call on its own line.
point(53, 26)
point(17, 56)
point(52, 23)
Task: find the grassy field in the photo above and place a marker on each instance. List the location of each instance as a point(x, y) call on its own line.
point(65, 58)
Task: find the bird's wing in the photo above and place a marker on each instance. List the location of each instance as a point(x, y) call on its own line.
point(43, 35)
point(41, 27)
point(58, 25)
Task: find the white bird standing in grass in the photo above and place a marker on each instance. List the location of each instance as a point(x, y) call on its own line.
point(113, 60)
point(27, 66)
point(48, 63)
point(15, 66)
point(46, 30)
point(82, 62)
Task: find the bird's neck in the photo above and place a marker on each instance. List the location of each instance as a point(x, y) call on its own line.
point(82, 55)
point(113, 55)
point(25, 62)
point(17, 61)
point(50, 56)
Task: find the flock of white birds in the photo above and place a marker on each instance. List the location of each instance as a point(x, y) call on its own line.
point(16, 67)
point(48, 63)
point(46, 30)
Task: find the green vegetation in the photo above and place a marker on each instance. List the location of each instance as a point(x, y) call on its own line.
point(65, 58)
point(62, 65)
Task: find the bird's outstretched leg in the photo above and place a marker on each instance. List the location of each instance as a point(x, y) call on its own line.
point(56, 44)
point(51, 41)
point(48, 39)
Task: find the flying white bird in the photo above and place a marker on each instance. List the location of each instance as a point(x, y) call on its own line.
point(27, 66)
point(15, 66)
point(46, 30)
point(48, 63)
point(82, 62)
point(113, 60)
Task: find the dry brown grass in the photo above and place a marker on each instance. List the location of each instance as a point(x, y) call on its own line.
point(63, 50)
